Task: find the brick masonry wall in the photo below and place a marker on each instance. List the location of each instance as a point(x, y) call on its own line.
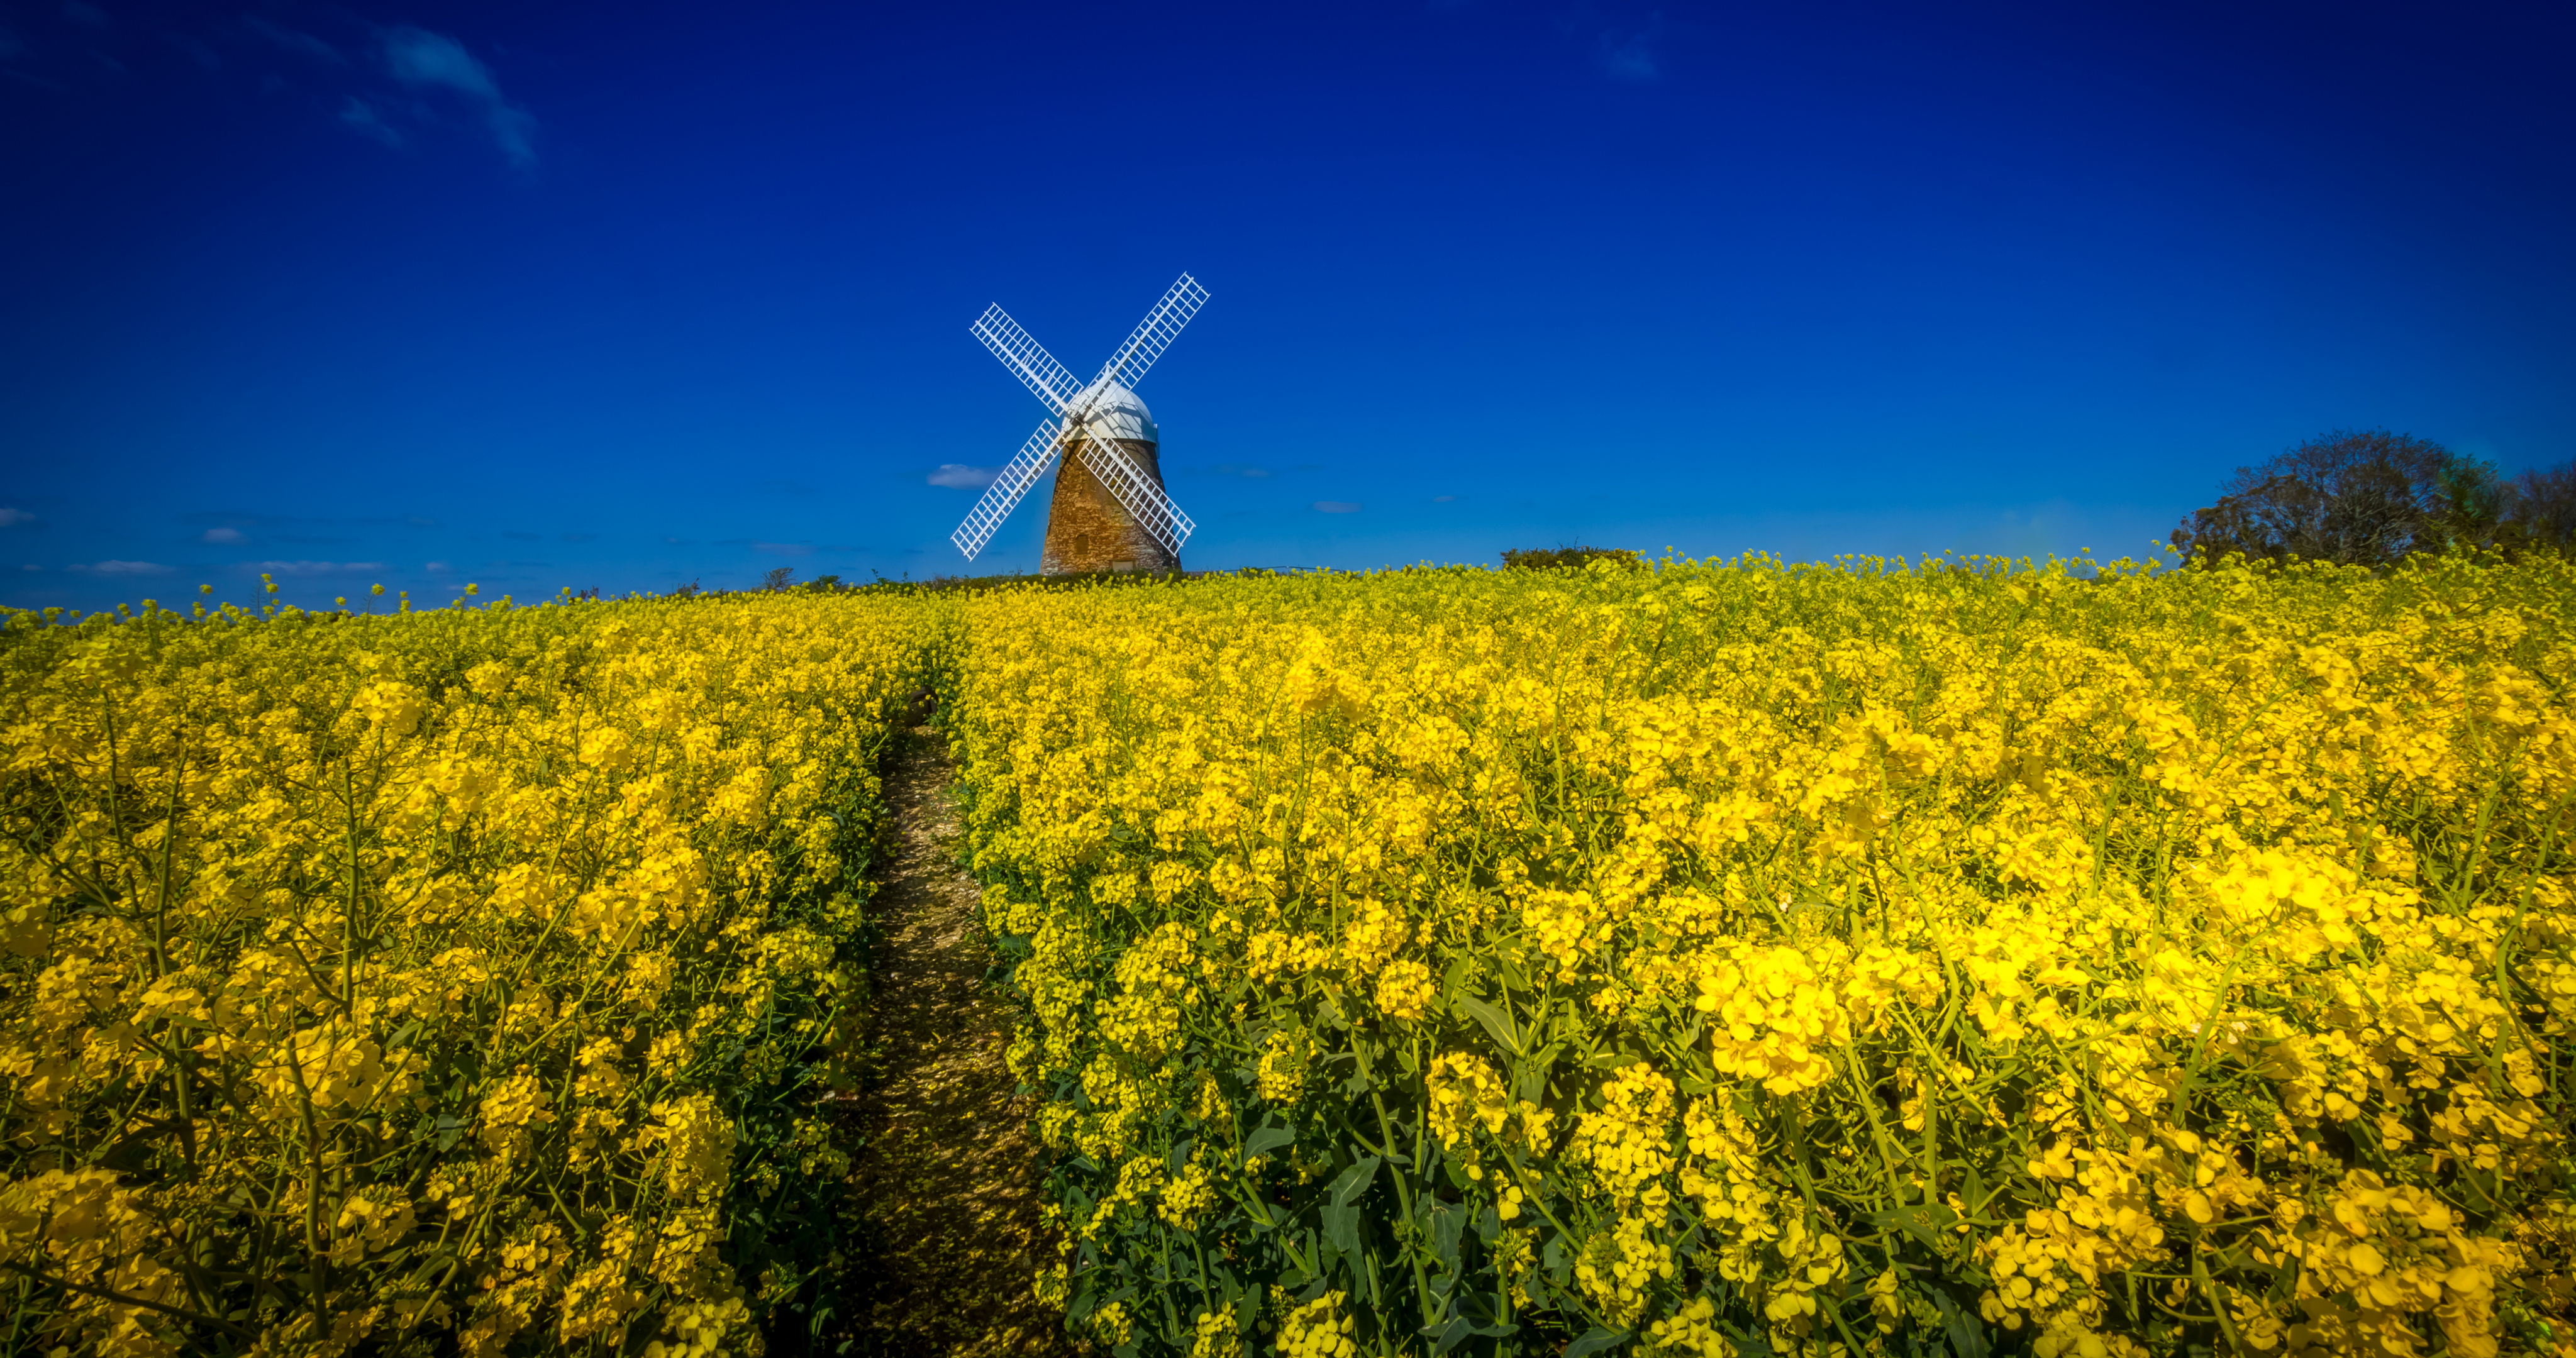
point(1088, 530)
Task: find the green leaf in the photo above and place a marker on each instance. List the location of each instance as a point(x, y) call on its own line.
point(1342, 1226)
point(1967, 1337)
point(1595, 1342)
point(1354, 1181)
point(1923, 1221)
point(1445, 1221)
point(1268, 1139)
point(1341, 1211)
point(1495, 1021)
point(1455, 978)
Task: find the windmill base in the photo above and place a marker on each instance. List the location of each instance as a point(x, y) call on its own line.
point(1089, 532)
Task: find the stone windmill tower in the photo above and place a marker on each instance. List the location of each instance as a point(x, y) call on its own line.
point(1109, 512)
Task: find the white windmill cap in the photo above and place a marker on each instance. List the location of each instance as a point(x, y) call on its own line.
point(1118, 414)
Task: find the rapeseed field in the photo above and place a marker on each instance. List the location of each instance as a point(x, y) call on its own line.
point(441, 982)
point(1955, 957)
point(1747, 958)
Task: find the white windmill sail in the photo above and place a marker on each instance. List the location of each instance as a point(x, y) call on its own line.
point(1052, 381)
point(1159, 328)
point(1072, 403)
point(1138, 493)
point(1001, 497)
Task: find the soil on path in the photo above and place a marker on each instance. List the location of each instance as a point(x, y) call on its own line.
point(944, 1195)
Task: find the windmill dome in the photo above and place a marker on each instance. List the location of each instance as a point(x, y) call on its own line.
point(1118, 414)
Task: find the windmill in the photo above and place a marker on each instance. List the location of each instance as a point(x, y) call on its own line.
point(1109, 512)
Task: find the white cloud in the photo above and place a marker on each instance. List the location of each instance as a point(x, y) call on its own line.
point(359, 116)
point(1337, 507)
point(1443, 499)
point(313, 567)
point(958, 476)
point(11, 518)
point(223, 536)
point(784, 548)
point(417, 56)
point(124, 568)
point(438, 568)
point(1239, 469)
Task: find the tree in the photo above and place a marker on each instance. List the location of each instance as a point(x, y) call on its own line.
point(2361, 498)
point(1551, 558)
point(2477, 505)
point(2540, 509)
point(781, 577)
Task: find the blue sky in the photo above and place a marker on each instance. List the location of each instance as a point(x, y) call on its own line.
point(546, 296)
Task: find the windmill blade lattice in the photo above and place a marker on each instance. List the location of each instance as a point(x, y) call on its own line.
point(1053, 383)
point(1001, 497)
point(1159, 328)
point(1134, 489)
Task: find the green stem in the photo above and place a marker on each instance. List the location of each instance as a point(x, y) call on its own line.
point(126, 1299)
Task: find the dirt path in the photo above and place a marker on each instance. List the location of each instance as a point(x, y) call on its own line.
point(944, 1196)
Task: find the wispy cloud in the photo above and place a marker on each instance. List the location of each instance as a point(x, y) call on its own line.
point(197, 52)
point(223, 536)
point(1444, 499)
point(295, 528)
point(294, 40)
point(784, 548)
point(124, 568)
point(1337, 507)
point(959, 476)
point(1629, 53)
point(79, 13)
point(438, 568)
point(1249, 473)
point(11, 518)
point(312, 567)
point(361, 117)
point(9, 45)
point(424, 59)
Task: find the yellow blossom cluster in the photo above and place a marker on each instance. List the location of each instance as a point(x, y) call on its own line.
point(1870, 957)
point(445, 981)
point(1317, 1329)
